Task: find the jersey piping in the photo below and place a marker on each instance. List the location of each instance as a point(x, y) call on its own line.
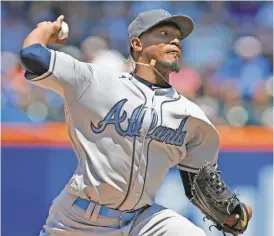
point(147, 156)
point(133, 155)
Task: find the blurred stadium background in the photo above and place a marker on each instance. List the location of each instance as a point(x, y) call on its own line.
point(227, 70)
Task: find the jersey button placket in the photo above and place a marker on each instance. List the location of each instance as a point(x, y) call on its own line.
point(138, 182)
point(141, 175)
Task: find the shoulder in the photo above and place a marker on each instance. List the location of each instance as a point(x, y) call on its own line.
point(110, 62)
point(199, 120)
point(108, 70)
point(193, 109)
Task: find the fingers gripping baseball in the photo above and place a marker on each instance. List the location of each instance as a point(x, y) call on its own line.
point(57, 31)
point(59, 21)
point(61, 29)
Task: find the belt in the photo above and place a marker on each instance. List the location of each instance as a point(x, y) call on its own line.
point(106, 211)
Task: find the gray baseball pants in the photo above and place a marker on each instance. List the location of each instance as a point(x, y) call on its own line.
point(69, 220)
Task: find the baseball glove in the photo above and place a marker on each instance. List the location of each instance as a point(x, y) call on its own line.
point(216, 200)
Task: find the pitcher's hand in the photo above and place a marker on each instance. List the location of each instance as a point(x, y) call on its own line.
point(52, 29)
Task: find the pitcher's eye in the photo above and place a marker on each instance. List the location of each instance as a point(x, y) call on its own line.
point(163, 33)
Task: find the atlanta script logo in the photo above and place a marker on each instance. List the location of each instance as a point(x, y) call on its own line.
point(159, 133)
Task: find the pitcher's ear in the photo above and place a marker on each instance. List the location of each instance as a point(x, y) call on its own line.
point(136, 44)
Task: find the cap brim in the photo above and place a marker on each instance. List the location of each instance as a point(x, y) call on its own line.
point(185, 24)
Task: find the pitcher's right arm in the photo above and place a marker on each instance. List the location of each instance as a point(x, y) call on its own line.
point(52, 69)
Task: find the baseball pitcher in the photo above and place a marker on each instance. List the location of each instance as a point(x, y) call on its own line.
point(127, 132)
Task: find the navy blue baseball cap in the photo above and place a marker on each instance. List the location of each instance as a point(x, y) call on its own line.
point(147, 20)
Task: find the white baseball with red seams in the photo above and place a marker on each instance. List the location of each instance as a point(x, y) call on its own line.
point(63, 34)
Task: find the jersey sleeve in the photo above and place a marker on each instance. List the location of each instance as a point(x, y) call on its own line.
point(202, 147)
point(66, 76)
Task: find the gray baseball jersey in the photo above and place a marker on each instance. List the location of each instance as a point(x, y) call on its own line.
point(125, 134)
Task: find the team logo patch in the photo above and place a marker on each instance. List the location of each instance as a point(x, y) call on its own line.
point(134, 124)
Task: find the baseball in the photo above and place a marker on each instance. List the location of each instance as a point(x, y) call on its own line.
point(64, 31)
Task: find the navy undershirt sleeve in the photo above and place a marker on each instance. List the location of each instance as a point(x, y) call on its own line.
point(187, 179)
point(35, 59)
